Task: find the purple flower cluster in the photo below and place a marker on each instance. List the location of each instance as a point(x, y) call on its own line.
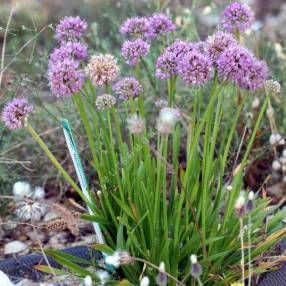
point(160, 24)
point(136, 27)
point(167, 63)
point(65, 77)
point(64, 73)
point(148, 27)
point(238, 64)
point(132, 51)
point(75, 50)
point(256, 77)
point(70, 29)
point(128, 87)
point(218, 43)
point(237, 16)
point(15, 112)
point(195, 68)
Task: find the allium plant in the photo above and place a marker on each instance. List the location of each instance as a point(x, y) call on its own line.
point(164, 194)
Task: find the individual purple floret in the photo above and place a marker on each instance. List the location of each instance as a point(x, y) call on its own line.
point(70, 29)
point(217, 43)
point(235, 63)
point(195, 68)
point(160, 24)
point(15, 112)
point(75, 50)
point(132, 51)
point(167, 63)
point(136, 27)
point(237, 16)
point(128, 87)
point(65, 78)
point(256, 77)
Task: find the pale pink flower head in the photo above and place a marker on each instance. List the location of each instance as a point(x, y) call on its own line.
point(102, 69)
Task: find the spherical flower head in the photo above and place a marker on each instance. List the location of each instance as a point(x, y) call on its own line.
point(29, 211)
point(75, 50)
point(196, 268)
point(70, 29)
point(145, 281)
point(135, 124)
point(102, 69)
point(87, 281)
point(21, 190)
point(168, 118)
point(234, 64)
point(161, 278)
point(118, 258)
point(65, 78)
point(239, 206)
point(218, 43)
point(104, 101)
point(167, 63)
point(15, 113)
point(237, 16)
point(136, 27)
point(128, 87)
point(250, 203)
point(256, 76)
point(160, 24)
point(272, 86)
point(195, 68)
point(133, 51)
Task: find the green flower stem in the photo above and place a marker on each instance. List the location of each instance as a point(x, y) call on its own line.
point(199, 281)
point(242, 250)
point(113, 155)
point(53, 159)
point(249, 250)
point(78, 99)
point(238, 177)
point(171, 85)
point(140, 97)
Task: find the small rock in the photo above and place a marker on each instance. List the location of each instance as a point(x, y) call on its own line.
point(15, 246)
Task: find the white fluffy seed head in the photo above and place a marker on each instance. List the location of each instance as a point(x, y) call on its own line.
point(194, 259)
point(135, 124)
point(145, 281)
point(22, 189)
point(276, 166)
point(284, 153)
point(284, 168)
point(87, 281)
point(282, 160)
point(239, 205)
point(168, 117)
point(39, 193)
point(113, 259)
point(229, 188)
point(162, 267)
point(251, 196)
point(272, 139)
point(255, 103)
